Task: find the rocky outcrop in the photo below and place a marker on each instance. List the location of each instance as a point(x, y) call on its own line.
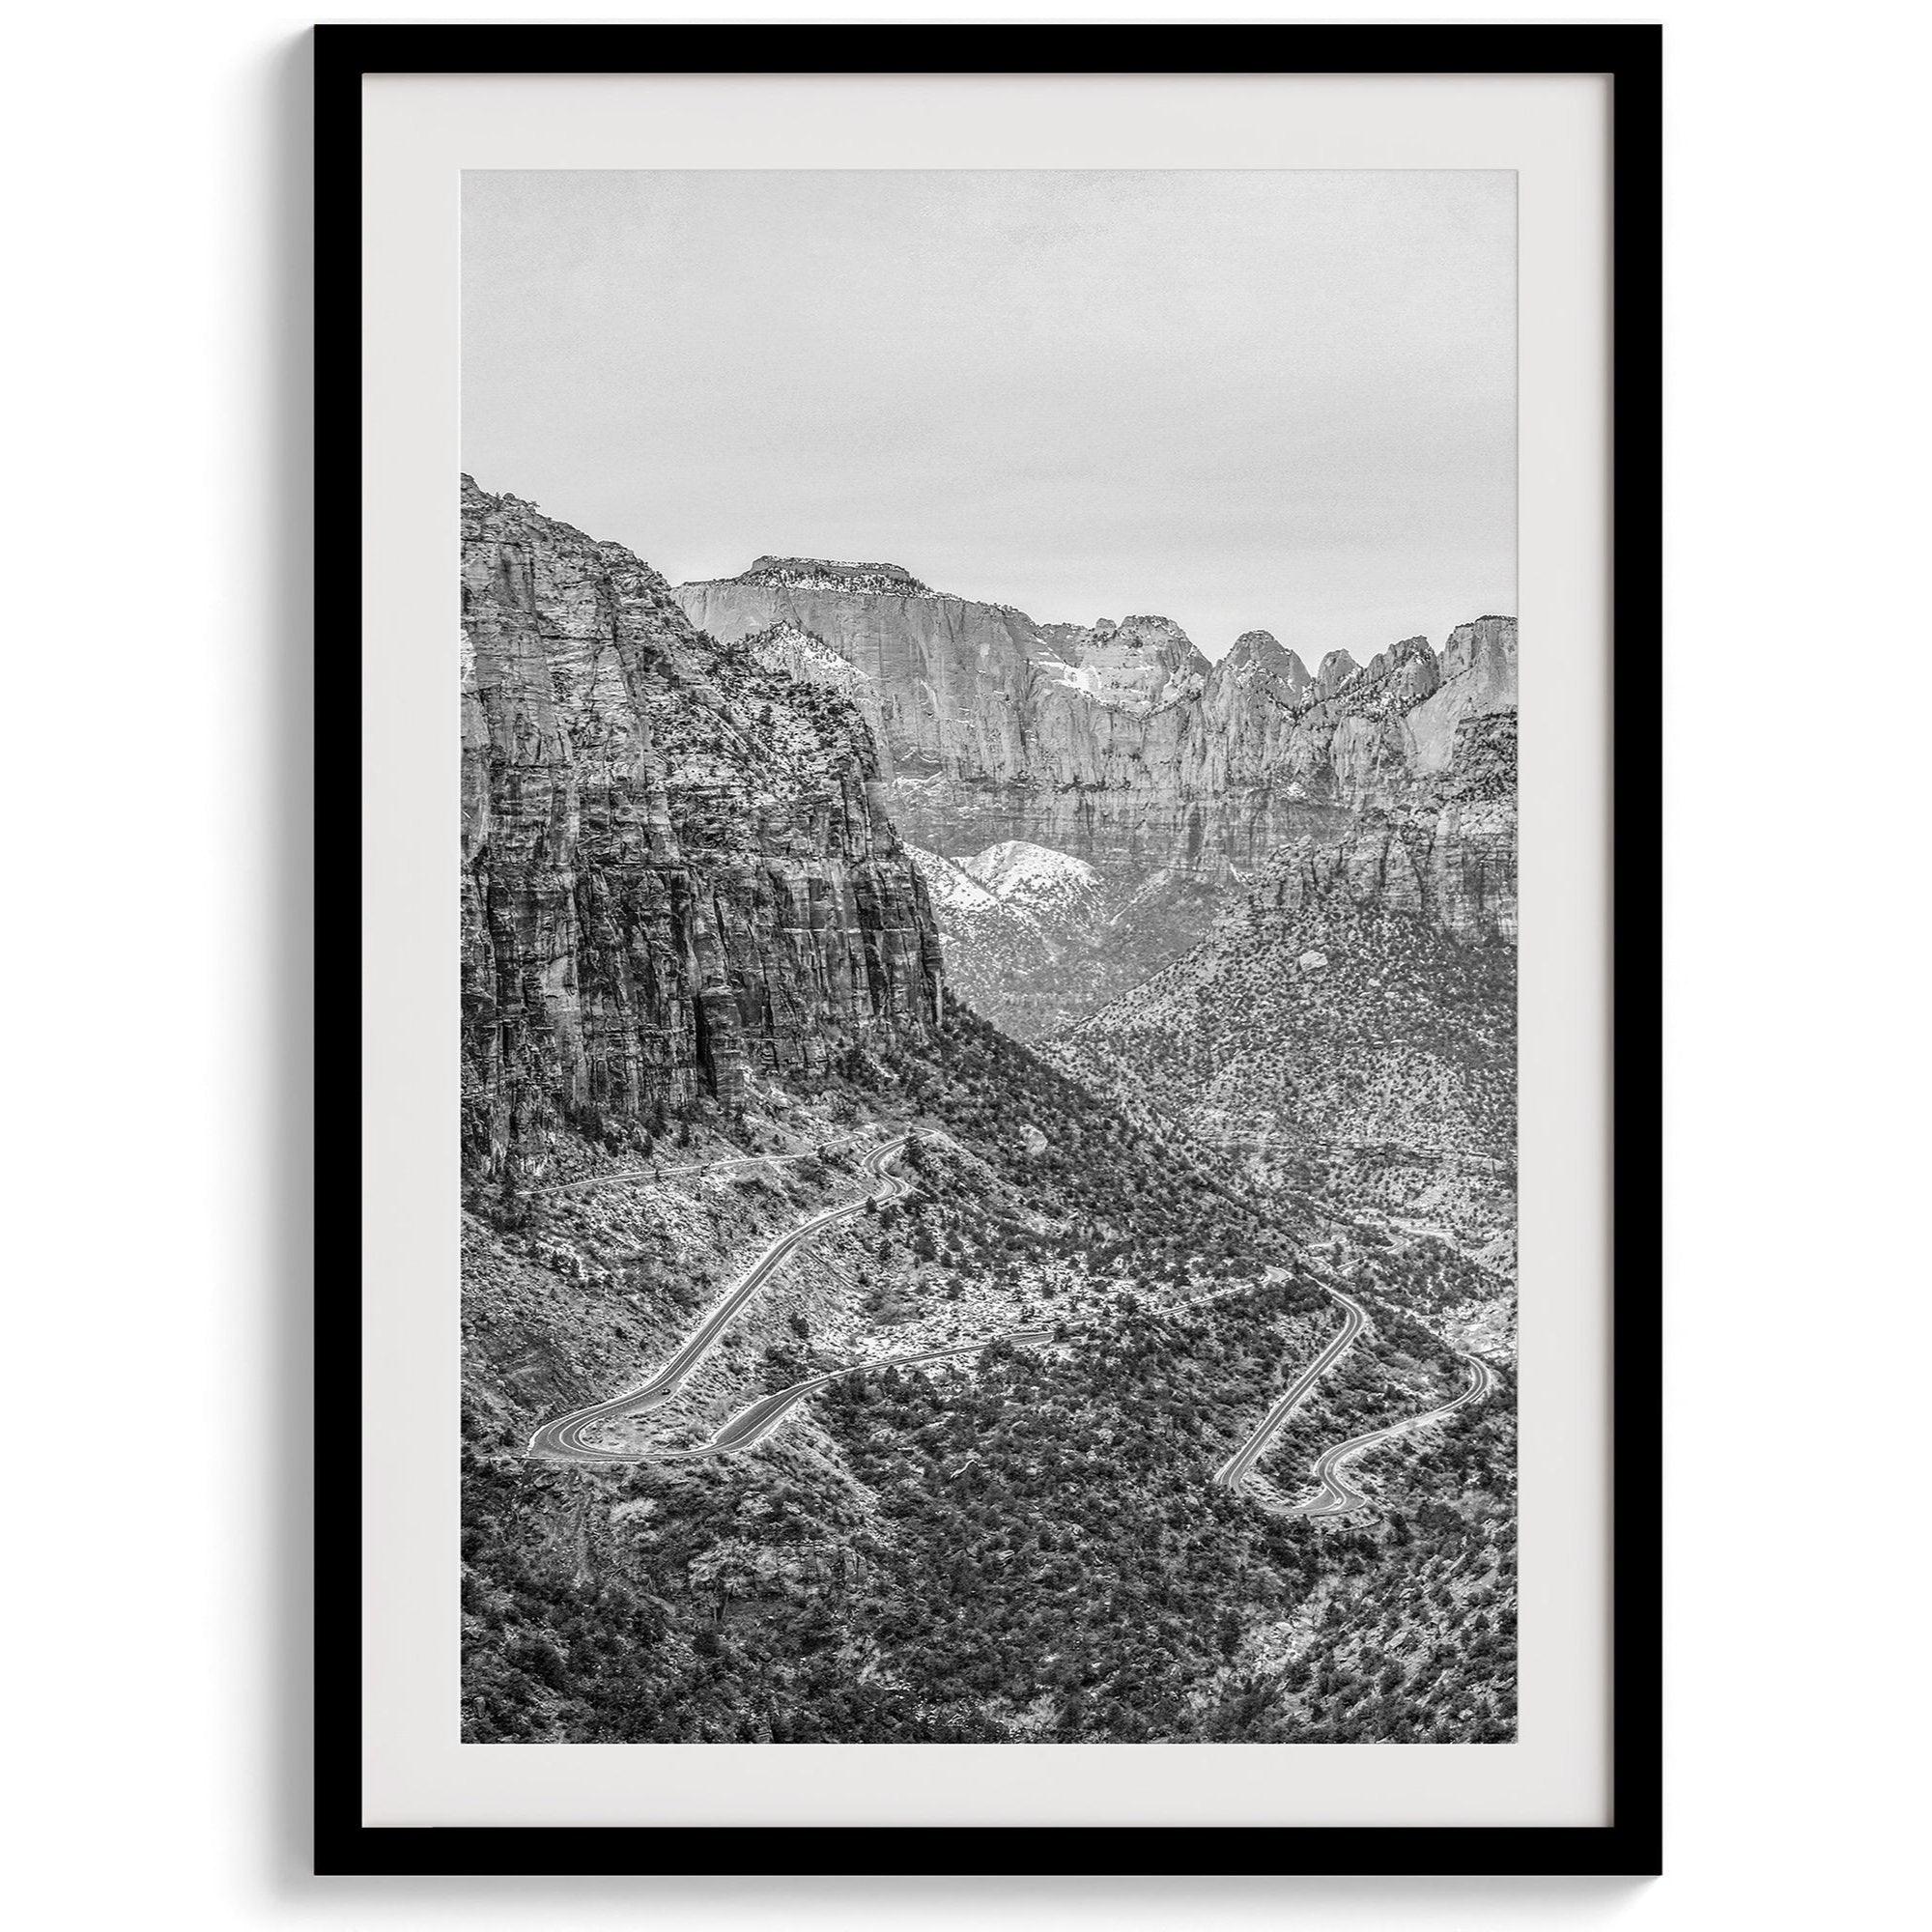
point(1116, 742)
point(817, 573)
point(1335, 670)
point(1475, 676)
point(677, 866)
point(1448, 857)
point(1258, 656)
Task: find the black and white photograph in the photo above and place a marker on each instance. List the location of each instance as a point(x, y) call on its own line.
point(964, 968)
point(988, 897)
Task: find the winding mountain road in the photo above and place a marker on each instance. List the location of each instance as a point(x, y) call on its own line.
point(1335, 1497)
point(565, 1439)
point(1234, 1472)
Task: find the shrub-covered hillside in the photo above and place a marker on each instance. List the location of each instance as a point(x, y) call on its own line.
point(1362, 1060)
point(1027, 1545)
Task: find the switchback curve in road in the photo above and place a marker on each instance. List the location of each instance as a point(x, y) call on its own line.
point(564, 1440)
point(1335, 1497)
point(1234, 1472)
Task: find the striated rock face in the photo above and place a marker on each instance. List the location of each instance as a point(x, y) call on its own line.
point(1475, 675)
point(677, 866)
point(1448, 857)
point(1116, 742)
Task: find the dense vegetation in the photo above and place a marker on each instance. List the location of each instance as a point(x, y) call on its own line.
point(1028, 1548)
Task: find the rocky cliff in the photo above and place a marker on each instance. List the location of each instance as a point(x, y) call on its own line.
point(1446, 855)
point(1349, 1029)
point(1116, 742)
point(677, 866)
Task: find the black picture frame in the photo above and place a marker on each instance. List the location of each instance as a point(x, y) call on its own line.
point(1630, 1843)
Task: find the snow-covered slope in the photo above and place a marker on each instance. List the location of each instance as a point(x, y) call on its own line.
point(799, 654)
point(990, 946)
point(1035, 939)
point(956, 895)
point(1035, 878)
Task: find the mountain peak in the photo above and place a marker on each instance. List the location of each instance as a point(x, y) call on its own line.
point(1261, 653)
point(1337, 667)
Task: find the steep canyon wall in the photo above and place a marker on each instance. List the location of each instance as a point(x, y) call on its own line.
point(1117, 742)
point(677, 866)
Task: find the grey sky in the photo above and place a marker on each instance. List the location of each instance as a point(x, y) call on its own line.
point(1274, 400)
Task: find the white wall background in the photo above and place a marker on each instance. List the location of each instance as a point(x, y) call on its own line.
point(155, 980)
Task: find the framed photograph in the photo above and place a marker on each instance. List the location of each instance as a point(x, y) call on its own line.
point(1007, 1067)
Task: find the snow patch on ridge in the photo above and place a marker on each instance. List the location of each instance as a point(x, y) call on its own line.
point(1034, 876)
point(1012, 881)
point(799, 654)
point(952, 889)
